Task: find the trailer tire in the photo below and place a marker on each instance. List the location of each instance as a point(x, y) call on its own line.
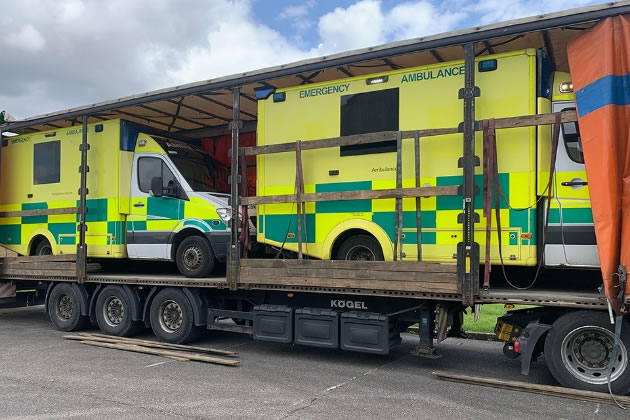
point(114, 312)
point(64, 308)
point(577, 350)
point(194, 257)
point(360, 248)
point(172, 317)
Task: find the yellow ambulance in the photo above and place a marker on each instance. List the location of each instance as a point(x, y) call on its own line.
point(512, 84)
point(150, 197)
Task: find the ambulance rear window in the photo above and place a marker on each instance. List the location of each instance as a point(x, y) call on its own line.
point(46, 162)
point(369, 112)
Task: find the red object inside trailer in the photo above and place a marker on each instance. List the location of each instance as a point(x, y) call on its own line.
point(218, 147)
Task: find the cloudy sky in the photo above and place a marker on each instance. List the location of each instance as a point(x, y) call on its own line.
point(56, 54)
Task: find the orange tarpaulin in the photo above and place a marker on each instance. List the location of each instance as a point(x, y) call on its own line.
point(599, 60)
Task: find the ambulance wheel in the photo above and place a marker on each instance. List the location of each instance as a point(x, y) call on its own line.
point(578, 349)
point(113, 312)
point(43, 248)
point(194, 257)
point(64, 308)
point(360, 248)
point(172, 318)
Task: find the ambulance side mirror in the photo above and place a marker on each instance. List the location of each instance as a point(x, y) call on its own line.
point(156, 186)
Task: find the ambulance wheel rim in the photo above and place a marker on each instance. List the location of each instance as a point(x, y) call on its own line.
point(171, 316)
point(64, 307)
point(113, 311)
point(360, 253)
point(193, 257)
point(586, 353)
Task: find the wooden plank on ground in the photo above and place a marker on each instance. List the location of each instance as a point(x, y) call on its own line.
point(148, 343)
point(556, 391)
point(449, 190)
point(165, 353)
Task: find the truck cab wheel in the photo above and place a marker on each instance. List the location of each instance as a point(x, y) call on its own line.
point(172, 317)
point(360, 248)
point(578, 351)
point(64, 308)
point(113, 312)
point(194, 257)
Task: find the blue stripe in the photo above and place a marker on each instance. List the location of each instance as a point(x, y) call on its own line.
point(609, 90)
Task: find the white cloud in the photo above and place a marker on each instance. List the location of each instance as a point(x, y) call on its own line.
point(357, 26)
point(292, 12)
point(415, 19)
point(493, 11)
point(26, 38)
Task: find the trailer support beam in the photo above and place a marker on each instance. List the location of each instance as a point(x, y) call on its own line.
point(468, 250)
point(234, 251)
point(83, 192)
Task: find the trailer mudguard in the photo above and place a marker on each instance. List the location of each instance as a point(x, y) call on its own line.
point(527, 343)
point(199, 306)
point(599, 60)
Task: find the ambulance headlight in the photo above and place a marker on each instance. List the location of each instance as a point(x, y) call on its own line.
point(566, 87)
point(225, 213)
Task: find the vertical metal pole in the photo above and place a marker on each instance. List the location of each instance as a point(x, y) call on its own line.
point(83, 192)
point(416, 144)
point(234, 250)
point(468, 250)
point(398, 245)
point(299, 189)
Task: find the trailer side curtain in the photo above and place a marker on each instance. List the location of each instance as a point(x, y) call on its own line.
point(599, 60)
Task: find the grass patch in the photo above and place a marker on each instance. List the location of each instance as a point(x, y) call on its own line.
point(488, 317)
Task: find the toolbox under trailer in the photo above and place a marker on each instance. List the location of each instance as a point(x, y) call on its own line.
point(353, 305)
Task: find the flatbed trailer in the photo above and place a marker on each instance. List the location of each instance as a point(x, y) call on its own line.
point(353, 305)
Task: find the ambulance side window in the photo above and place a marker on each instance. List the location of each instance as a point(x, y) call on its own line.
point(369, 112)
point(572, 140)
point(149, 168)
point(46, 162)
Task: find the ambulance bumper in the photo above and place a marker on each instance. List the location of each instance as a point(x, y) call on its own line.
point(220, 242)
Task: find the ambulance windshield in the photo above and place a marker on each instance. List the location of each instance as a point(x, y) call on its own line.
point(198, 168)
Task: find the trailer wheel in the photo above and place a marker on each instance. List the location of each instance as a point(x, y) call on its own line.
point(172, 318)
point(113, 312)
point(578, 349)
point(64, 308)
point(360, 248)
point(194, 257)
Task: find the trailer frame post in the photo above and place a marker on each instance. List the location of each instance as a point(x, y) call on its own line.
point(468, 249)
point(416, 146)
point(83, 192)
point(234, 250)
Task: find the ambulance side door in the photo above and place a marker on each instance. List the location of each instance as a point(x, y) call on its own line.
point(571, 233)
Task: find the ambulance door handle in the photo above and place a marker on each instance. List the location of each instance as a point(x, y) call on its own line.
point(139, 204)
point(575, 182)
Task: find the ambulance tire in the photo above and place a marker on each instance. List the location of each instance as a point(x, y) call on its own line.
point(360, 248)
point(64, 308)
point(113, 313)
point(43, 248)
point(578, 349)
point(194, 257)
point(172, 317)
